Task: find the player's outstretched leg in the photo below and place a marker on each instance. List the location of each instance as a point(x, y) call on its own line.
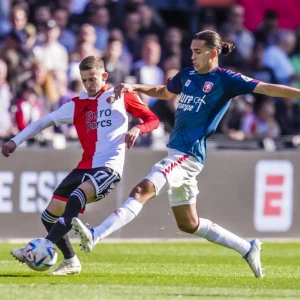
point(119, 218)
point(219, 235)
point(253, 258)
point(86, 234)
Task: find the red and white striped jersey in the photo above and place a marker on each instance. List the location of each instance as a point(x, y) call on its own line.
point(102, 125)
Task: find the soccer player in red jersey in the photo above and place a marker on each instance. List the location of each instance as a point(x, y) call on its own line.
point(102, 127)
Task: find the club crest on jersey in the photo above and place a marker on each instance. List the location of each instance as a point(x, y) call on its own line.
point(187, 83)
point(110, 99)
point(207, 86)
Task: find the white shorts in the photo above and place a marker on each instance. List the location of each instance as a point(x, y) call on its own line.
point(177, 173)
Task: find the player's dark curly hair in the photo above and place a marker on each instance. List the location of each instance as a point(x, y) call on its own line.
point(214, 41)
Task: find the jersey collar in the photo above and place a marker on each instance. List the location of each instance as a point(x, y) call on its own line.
point(85, 96)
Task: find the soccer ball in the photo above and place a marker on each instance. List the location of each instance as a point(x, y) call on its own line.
point(40, 254)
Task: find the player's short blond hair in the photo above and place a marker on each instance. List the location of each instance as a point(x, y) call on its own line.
point(91, 62)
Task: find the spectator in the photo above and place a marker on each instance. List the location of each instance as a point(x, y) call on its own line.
point(231, 124)
point(126, 56)
point(171, 62)
point(44, 85)
point(261, 123)
point(132, 26)
point(258, 70)
point(18, 55)
point(18, 19)
point(51, 48)
point(147, 70)
point(67, 37)
point(86, 39)
point(165, 110)
point(112, 63)
point(276, 57)
point(295, 60)
point(243, 38)
point(173, 46)
point(41, 15)
point(234, 60)
point(28, 109)
point(288, 116)
point(151, 23)
point(65, 95)
point(5, 98)
point(268, 29)
point(86, 36)
point(100, 18)
point(5, 25)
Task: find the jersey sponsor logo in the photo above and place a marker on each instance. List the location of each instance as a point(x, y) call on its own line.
point(273, 207)
point(93, 122)
point(247, 79)
point(188, 102)
point(187, 82)
point(207, 86)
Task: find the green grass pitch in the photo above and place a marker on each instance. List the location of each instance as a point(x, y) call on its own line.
point(158, 271)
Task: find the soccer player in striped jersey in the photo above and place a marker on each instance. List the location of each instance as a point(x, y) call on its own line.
point(102, 127)
point(205, 94)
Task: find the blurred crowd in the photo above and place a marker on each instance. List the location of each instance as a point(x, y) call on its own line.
point(43, 42)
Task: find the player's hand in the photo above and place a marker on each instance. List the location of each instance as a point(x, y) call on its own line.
point(8, 147)
point(121, 88)
point(131, 136)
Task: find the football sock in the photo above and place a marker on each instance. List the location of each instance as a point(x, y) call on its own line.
point(72, 259)
point(63, 244)
point(126, 213)
point(75, 203)
point(218, 235)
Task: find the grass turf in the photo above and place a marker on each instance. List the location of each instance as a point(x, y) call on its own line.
point(158, 271)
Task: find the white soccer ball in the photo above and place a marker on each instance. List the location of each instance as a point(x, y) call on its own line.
point(40, 254)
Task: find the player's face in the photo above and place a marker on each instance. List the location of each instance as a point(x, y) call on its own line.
point(201, 56)
point(93, 80)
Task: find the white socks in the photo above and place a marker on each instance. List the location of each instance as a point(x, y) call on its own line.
point(126, 213)
point(72, 260)
point(218, 235)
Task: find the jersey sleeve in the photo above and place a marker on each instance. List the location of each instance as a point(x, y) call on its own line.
point(63, 115)
point(237, 84)
point(136, 107)
point(174, 84)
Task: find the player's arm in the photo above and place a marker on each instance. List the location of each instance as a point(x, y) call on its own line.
point(276, 90)
point(30, 131)
point(155, 91)
point(63, 115)
point(138, 109)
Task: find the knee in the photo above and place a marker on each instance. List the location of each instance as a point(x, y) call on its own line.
point(56, 207)
point(144, 191)
point(188, 227)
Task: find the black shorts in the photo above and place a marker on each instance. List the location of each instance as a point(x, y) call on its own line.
point(103, 178)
